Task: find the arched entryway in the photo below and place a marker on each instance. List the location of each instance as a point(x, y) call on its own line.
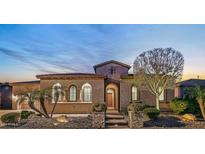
point(112, 96)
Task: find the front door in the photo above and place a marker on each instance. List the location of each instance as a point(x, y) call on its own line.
point(110, 98)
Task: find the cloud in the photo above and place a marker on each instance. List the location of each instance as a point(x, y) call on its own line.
point(35, 62)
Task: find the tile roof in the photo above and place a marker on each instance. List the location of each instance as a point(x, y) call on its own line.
point(111, 61)
point(26, 82)
point(70, 75)
point(191, 82)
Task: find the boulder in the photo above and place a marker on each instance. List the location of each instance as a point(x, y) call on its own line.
point(188, 117)
point(62, 119)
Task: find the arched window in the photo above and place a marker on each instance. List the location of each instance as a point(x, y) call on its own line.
point(57, 89)
point(87, 92)
point(134, 93)
point(72, 93)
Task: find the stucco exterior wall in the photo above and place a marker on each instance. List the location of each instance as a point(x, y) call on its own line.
point(106, 70)
point(144, 96)
point(75, 107)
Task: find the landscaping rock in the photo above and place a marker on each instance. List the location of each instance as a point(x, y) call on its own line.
point(188, 117)
point(62, 119)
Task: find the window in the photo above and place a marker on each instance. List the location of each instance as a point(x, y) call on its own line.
point(112, 70)
point(134, 93)
point(87, 92)
point(57, 90)
point(72, 93)
point(161, 96)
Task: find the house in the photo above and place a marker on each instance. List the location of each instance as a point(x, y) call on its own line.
point(110, 83)
point(5, 96)
point(181, 86)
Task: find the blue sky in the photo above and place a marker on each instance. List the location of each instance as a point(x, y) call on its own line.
point(27, 50)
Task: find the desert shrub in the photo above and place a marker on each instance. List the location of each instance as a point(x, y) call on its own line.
point(193, 107)
point(26, 114)
point(178, 105)
point(98, 107)
point(151, 112)
point(137, 106)
point(145, 106)
point(12, 117)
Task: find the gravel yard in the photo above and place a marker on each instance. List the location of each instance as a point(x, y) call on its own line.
point(72, 122)
point(164, 121)
point(172, 121)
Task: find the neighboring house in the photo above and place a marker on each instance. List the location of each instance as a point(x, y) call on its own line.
point(5, 96)
point(181, 86)
point(110, 83)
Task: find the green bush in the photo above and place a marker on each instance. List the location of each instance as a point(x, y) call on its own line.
point(12, 117)
point(98, 107)
point(145, 106)
point(151, 112)
point(136, 106)
point(193, 107)
point(178, 105)
point(26, 114)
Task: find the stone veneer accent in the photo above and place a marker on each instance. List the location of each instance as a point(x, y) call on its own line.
point(98, 120)
point(135, 120)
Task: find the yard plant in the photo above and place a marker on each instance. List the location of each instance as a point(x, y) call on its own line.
point(10, 118)
point(197, 93)
point(158, 69)
point(179, 105)
point(41, 96)
point(151, 112)
point(26, 114)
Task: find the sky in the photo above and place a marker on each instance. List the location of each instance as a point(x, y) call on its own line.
point(28, 50)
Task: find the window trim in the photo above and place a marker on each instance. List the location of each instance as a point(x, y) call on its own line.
point(83, 96)
point(56, 84)
point(137, 93)
point(76, 93)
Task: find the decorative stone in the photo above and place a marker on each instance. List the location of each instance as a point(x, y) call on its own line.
point(135, 119)
point(62, 119)
point(188, 117)
point(98, 120)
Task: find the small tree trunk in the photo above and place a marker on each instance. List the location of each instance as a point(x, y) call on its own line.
point(201, 105)
point(42, 103)
point(157, 102)
point(53, 109)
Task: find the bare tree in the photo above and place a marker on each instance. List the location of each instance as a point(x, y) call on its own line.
point(158, 69)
